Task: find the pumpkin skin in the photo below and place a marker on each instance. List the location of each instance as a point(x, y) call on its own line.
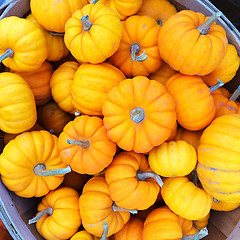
point(162, 224)
point(139, 33)
point(227, 68)
point(187, 226)
point(138, 97)
point(125, 187)
point(182, 197)
point(89, 159)
point(201, 223)
point(218, 158)
point(25, 40)
point(65, 218)
point(188, 51)
point(61, 83)
point(173, 159)
point(39, 82)
point(96, 207)
point(123, 8)
point(53, 15)
point(17, 105)
point(55, 44)
point(222, 91)
point(21, 155)
point(53, 118)
point(224, 206)
point(100, 40)
point(91, 84)
point(195, 107)
point(84, 235)
point(160, 10)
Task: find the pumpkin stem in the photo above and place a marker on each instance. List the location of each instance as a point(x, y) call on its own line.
point(119, 209)
point(215, 200)
point(48, 211)
point(137, 114)
point(217, 85)
point(9, 53)
point(94, 1)
point(105, 231)
point(84, 143)
point(197, 236)
point(206, 26)
point(77, 113)
point(85, 23)
point(159, 22)
point(143, 175)
point(40, 170)
point(135, 49)
point(235, 95)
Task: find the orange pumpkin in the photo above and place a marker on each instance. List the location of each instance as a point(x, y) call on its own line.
point(139, 114)
point(224, 206)
point(201, 223)
point(138, 53)
point(53, 118)
point(39, 82)
point(97, 29)
point(160, 10)
point(97, 207)
point(91, 84)
point(195, 107)
point(84, 235)
point(17, 105)
point(191, 43)
point(30, 164)
point(85, 146)
point(187, 226)
point(222, 91)
point(58, 214)
point(53, 15)
point(61, 83)
point(131, 185)
point(23, 46)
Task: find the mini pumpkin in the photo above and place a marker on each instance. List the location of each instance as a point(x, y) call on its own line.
point(224, 206)
point(201, 223)
point(139, 114)
point(84, 235)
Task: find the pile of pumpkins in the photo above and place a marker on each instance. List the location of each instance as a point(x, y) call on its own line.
point(114, 112)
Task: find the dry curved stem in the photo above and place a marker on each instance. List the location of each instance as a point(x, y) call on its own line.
point(77, 113)
point(84, 143)
point(142, 176)
point(105, 231)
point(85, 23)
point(94, 1)
point(197, 236)
point(235, 95)
point(206, 26)
point(8, 53)
point(137, 114)
point(217, 85)
point(135, 49)
point(119, 209)
point(40, 170)
point(216, 200)
point(48, 211)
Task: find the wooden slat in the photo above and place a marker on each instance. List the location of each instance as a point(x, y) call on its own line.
point(214, 233)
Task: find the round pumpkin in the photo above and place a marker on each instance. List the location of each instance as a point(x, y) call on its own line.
point(138, 53)
point(219, 158)
point(58, 214)
point(17, 105)
point(139, 114)
point(84, 235)
point(61, 83)
point(85, 146)
point(224, 206)
point(30, 164)
point(222, 91)
point(195, 107)
point(23, 46)
point(176, 158)
point(91, 84)
point(97, 29)
point(191, 43)
point(201, 223)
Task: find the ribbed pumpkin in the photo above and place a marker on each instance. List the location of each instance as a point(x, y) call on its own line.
point(29, 164)
point(224, 206)
point(192, 45)
point(39, 82)
point(185, 199)
point(97, 29)
point(201, 223)
point(195, 107)
point(91, 84)
point(61, 83)
point(139, 114)
point(55, 44)
point(222, 91)
point(97, 207)
point(85, 146)
point(58, 214)
point(219, 158)
point(173, 159)
point(138, 53)
point(17, 105)
point(130, 186)
point(84, 235)
point(160, 10)
point(53, 15)
point(23, 46)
